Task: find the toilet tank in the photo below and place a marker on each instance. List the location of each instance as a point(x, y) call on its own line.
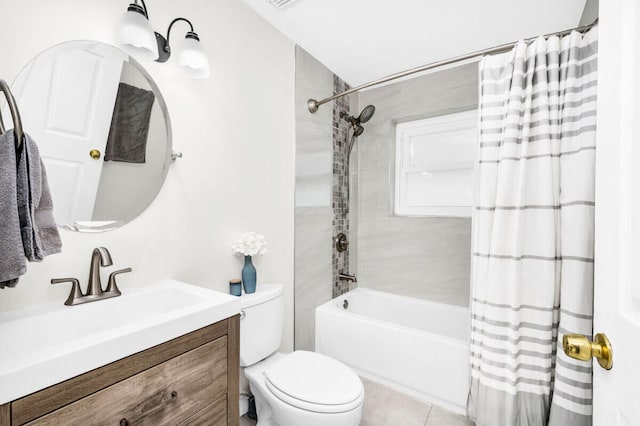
point(260, 323)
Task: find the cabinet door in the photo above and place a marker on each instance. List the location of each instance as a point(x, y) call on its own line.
point(166, 394)
point(212, 415)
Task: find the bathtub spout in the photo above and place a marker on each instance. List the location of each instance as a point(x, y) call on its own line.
point(347, 277)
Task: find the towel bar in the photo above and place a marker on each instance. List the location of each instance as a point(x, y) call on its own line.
point(15, 114)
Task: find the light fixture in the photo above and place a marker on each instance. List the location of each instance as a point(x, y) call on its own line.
point(137, 37)
point(192, 59)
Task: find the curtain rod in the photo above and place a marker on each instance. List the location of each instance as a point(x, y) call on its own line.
point(313, 104)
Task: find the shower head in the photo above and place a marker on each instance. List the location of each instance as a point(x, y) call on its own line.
point(365, 115)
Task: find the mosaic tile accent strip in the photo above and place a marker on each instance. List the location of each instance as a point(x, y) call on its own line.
point(340, 193)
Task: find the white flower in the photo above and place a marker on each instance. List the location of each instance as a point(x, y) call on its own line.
point(250, 244)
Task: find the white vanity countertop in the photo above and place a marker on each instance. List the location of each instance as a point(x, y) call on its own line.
point(45, 345)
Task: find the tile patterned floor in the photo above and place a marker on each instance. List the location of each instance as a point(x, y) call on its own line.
point(386, 407)
point(245, 421)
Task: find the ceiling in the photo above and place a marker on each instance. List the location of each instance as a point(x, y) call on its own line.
point(363, 40)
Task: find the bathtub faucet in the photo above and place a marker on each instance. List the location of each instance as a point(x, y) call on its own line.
point(347, 277)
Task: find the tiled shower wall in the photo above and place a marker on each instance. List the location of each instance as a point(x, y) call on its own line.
point(321, 202)
point(424, 257)
point(340, 193)
point(313, 192)
point(421, 257)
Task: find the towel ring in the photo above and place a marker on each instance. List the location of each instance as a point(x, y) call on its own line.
point(15, 115)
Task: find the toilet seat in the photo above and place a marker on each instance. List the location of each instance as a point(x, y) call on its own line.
point(314, 382)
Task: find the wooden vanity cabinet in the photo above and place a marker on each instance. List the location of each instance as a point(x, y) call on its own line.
point(188, 381)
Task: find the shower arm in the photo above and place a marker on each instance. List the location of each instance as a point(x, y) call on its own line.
point(313, 105)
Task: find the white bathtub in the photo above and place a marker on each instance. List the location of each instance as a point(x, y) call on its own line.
point(413, 345)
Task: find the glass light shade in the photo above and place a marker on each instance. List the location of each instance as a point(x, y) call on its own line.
point(192, 59)
point(136, 36)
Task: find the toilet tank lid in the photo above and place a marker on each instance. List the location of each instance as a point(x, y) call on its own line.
point(264, 293)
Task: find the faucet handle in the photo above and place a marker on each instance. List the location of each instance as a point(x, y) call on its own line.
point(111, 286)
point(75, 293)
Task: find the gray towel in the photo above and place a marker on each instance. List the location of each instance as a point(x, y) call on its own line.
point(46, 228)
point(39, 232)
point(12, 261)
point(129, 125)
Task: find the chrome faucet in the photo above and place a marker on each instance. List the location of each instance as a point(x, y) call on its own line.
point(99, 257)
point(347, 277)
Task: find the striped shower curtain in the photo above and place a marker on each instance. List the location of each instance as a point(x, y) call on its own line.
point(533, 229)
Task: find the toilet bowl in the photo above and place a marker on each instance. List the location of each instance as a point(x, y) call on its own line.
point(297, 389)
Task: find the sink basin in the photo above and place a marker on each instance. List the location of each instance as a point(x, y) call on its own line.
point(46, 345)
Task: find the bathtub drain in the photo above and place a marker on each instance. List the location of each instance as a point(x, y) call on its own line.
point(345, 304)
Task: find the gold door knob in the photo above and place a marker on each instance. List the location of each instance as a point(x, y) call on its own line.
point(95, 154)
point(579, 347)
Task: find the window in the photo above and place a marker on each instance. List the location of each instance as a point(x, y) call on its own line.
point(434, 165)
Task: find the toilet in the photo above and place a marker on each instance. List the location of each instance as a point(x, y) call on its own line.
point(300, 388)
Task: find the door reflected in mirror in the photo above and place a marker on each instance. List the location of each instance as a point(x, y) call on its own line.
point(103, 131)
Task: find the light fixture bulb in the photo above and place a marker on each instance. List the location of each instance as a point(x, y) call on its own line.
point(192, 59)
point(135, 34)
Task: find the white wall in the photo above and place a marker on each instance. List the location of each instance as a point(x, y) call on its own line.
point(236, 131)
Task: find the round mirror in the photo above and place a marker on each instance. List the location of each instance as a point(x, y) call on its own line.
point(103, 131)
